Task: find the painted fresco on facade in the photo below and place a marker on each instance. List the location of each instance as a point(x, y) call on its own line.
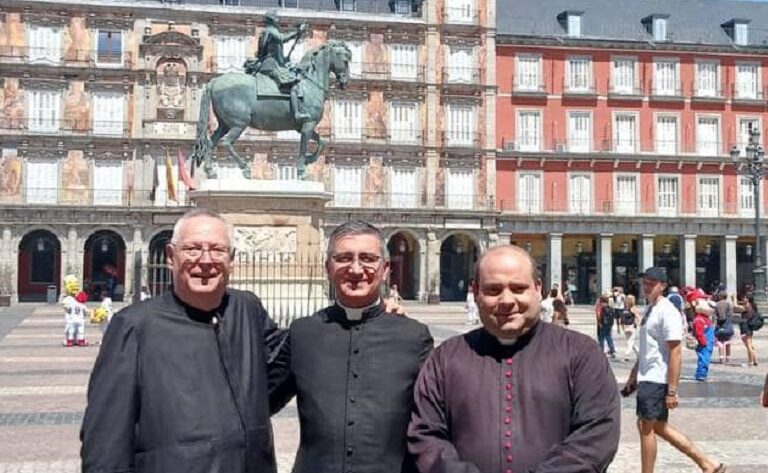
point(10, 178)
point(76, 107)
point(77, 40)
point(75, 179)
point(373, 188)
point(376, 116)
point(12, 116)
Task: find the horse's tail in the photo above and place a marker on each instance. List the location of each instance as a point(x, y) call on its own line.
point(203, 144)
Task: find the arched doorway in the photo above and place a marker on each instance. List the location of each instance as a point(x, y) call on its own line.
point(39, 265)
point(158, 274)
point(458, 255)
point(104, 266)
point(404, 265)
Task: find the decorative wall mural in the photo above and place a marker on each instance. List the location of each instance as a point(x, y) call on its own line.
point(75, 178)
point(10, 178)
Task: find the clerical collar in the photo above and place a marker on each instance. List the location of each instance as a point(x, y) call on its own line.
point(507, 342)
point(200, 315)
point(356, 313)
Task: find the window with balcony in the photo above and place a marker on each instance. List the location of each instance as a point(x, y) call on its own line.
point(231, 53)
point(668, 196)
point(529, 192)
point(666, 78)
point(623, 76)
point(708, 196)
point(747, 81)
point(108, 183)
point(401, 7)
point(528, 73)
point(579, 132)
point(666, 134)
point(459, 188)
point(744, 125)
point(460, 125)
point(287, 172)
point(460, 65)
point(529, 130)
point(579, 74)
point(404, 61)
point(109, 48)
point(347, 120)
point(43, 110)
point(708, 136)
point(625, 195)
point(580, 194)
point(44, 43)
point(356, 63)
point(108, 113)
point(347, 185)
point(746, 197)
point(403, 122)
point(42, 181)
point(459, 11)
point(625, 133)
point(707, 82)
point(403, 185)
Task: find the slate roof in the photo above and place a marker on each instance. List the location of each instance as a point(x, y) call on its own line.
point(689, 21)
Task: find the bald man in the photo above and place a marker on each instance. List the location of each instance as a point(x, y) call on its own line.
point(516, 395)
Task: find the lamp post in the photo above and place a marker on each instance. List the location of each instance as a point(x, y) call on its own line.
point(753, 166)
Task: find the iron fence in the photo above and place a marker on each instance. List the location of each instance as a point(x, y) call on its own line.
point(291, 285)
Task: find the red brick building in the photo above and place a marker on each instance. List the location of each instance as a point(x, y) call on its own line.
point(614, 125)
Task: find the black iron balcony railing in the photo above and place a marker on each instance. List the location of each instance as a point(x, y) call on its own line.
point(98, 197)
point(461, 139)
point(405, 200)
point(67, 126)
point(461, 75)
point(529, 86)
point(579, 88)
point(625, 92)
point(702, 93)
point(461, 15)
point(659, 92)
point(69, 57)
point(624, 208)
point(383, 71)
point(745, 94)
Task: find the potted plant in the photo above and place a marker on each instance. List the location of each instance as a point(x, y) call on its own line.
point(6, 285)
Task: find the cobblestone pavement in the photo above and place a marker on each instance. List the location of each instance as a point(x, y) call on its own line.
point(43, 385)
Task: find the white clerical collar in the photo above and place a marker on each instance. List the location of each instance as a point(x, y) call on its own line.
point(507, 341)
point(356, 313)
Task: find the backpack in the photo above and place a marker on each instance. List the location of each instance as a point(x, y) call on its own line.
point(607, 315)
point(627, 317)
point(755, 322)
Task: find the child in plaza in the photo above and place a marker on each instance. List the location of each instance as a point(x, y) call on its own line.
point(703, 330)
point(74, 312)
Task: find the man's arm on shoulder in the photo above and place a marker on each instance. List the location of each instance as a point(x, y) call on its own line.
point(107, 433)
point(428, 436)
point(595, 417)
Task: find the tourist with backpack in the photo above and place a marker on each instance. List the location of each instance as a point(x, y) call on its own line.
point(751, 320)
point(605, 318)
point(724, 330)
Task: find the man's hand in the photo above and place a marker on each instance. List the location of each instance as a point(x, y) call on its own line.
point(672, 401)
point(629, 387)
point(393, 307)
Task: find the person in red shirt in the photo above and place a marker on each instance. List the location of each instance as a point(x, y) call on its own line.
point(703, 330)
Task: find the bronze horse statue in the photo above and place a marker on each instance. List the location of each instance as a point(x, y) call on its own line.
point(242, 100)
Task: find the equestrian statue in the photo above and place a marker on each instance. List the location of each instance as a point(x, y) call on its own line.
point(273, 95)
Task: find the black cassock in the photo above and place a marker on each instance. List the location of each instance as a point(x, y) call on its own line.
point(354, 386)
point(547, 404)
point(174, 390)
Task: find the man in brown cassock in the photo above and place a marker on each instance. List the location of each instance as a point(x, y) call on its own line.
point(517, 395)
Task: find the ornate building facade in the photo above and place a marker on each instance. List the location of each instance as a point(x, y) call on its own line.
point(98, 99)
point(615, 124)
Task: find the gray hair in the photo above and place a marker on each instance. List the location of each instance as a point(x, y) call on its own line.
point(535, 270)
point(201, 212)
point(355, 227)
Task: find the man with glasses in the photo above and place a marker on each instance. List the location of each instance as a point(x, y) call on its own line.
point(352, 366)
point(180, 383)
point(656, 376)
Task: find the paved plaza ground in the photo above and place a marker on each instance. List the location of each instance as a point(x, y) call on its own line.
point(43, 386)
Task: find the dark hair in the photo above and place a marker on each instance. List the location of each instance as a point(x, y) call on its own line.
point(553, 293)
point(355, 227)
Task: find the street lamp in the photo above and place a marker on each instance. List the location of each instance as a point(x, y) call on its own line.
point(752, 165)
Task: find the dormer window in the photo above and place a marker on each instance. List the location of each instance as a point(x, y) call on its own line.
point(657, 26)
point(738, 30)
point(571, 22)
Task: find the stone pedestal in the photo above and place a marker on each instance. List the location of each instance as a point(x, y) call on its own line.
point(269, 215)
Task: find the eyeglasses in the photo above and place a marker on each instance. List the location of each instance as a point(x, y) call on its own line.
point(216, 253)
point(366, 260)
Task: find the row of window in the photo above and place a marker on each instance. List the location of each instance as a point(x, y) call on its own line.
point(43, 112)
point(44, 44)
point(626, 196)
point(400, 7)
point(667, 133)
point(624, 80)
point(42, 185)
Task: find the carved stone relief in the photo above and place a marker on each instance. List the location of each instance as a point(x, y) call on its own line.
point(171, 90)
point(280, 241)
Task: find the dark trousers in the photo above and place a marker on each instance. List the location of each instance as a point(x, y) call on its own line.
point(604, 335)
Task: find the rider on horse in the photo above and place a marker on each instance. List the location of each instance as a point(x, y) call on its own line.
point(271, 61)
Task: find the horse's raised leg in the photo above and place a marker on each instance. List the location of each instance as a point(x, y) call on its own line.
point(232, 136)
point(320, 145)
point(208, 162)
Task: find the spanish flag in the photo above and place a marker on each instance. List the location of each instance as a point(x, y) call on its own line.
point(170, 177)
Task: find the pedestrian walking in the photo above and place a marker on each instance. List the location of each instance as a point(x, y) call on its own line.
point(703, 331)
point(630, 319)
point(618, 302)
point(560, 313)
point(548, 306)
point(748, 319)
point(471, 307)
point(605, 321)
point(656, 376)
point(724, 330)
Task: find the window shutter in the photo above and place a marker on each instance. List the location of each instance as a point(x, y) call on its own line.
point(403, 185)
point(348, 183)
point(108, 184)
point(42, 182)
point(459, 188)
